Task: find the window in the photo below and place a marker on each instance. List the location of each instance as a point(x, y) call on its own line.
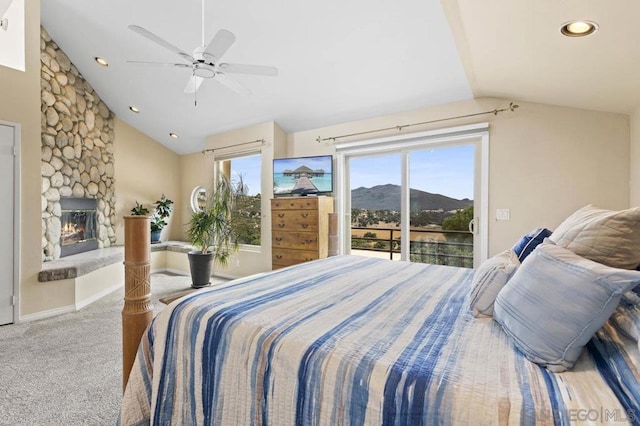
point(245, 176)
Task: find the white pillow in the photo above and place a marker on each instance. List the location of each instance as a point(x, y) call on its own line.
point(604, 236)
point(489, 279)
point(556, 301)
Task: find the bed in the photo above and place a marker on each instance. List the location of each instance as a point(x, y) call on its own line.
point(355, 340)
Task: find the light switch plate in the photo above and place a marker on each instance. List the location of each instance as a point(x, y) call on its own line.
point(502, 214)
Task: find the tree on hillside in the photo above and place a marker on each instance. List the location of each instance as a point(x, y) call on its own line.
point(459, 221)
point(246, 216)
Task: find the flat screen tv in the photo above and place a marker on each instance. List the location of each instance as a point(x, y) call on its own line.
point(303, 175)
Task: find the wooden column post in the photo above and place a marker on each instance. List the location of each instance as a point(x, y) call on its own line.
point(138, 309)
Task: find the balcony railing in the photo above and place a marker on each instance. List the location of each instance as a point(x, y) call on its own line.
point(439, 247)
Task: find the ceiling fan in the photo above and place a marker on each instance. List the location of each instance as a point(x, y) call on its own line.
point(205, 61)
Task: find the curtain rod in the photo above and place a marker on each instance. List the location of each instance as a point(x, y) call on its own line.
point(204, 151)
point(511, 107)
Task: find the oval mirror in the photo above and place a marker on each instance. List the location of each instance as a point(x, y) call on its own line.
point(198, 198)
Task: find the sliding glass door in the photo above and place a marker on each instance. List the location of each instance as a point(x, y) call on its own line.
point(375, 191)
point(441, 205)
point(422, 200)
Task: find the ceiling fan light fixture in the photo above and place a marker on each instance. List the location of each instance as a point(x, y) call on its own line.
point(578, 28)
point(134, 109)
point(203, 70)
point(101, 61)
point(173, 135)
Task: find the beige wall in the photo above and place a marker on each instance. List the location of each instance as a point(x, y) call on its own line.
point(144, 170)
point(196, 170)
point(634, 158)
point(545, 161)
point(21, 104)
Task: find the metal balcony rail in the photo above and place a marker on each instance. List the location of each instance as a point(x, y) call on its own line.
point(455, 250)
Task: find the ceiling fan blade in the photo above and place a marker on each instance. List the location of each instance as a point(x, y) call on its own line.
point(154, 38)
point(172, 64)
point(232, 84)
point(248, 69)
point(193, 84)
point(219, 45)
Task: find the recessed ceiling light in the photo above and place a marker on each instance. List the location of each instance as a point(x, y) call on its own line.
point(579, 28)
point(134, 109)
point(101, 61)
point(173, 135)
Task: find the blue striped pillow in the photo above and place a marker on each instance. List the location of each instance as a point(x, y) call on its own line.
point(529, 242)
point(556, 301)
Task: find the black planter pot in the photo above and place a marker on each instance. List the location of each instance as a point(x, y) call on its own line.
point(200, 265)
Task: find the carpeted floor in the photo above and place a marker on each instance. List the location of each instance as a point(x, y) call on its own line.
point(67, 370)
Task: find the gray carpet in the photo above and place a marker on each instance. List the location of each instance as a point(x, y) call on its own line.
point(67, 370)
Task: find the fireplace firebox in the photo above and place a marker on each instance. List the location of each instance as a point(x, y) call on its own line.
point(78, 225)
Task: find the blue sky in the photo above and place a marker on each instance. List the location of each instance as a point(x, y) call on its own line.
point(249, 168)
point(447, 171)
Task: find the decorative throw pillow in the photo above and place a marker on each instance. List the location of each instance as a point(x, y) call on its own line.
point(529, 242)
point(626, 316)
point(604, 236)
point(489, 279)
point(556, 301)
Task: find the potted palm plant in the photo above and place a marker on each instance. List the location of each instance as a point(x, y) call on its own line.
point(211, 233)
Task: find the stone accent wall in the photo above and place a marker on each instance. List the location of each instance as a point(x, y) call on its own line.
point(77, 147)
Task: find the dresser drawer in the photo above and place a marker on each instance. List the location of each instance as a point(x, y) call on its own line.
point(294, 220)
point(306, 203)
point(295, 240)
point(287, 257)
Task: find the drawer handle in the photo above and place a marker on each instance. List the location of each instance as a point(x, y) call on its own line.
point(309, 241)
point(304, 214)
point(278, 239)
point(280, 214)
point(281, 225)
point(305, 225)
point(278, 256)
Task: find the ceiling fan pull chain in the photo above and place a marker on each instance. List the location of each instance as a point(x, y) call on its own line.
point(195, 92)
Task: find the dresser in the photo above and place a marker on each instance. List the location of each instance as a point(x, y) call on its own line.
point(299, 229)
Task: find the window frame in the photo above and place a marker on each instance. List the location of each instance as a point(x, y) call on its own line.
point(218, 170)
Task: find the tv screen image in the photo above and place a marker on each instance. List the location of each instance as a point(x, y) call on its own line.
point(303, 175)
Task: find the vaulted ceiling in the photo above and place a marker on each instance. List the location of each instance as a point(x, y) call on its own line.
point(341, 61)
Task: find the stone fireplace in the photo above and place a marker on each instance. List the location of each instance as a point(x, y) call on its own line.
point(78, 225)
point(77, 159)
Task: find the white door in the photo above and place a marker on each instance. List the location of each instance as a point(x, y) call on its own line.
point(7, 186)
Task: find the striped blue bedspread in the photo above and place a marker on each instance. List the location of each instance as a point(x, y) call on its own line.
point(347, 340)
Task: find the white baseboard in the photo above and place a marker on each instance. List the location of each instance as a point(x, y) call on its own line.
point(47, 314)
point(89, 300)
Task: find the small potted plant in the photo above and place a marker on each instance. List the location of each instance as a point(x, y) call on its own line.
point(163, 209)
point(211, 233)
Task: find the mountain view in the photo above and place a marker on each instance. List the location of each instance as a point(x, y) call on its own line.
point(387, 197)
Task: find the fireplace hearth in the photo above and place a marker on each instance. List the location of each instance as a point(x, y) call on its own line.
point(78, 225)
